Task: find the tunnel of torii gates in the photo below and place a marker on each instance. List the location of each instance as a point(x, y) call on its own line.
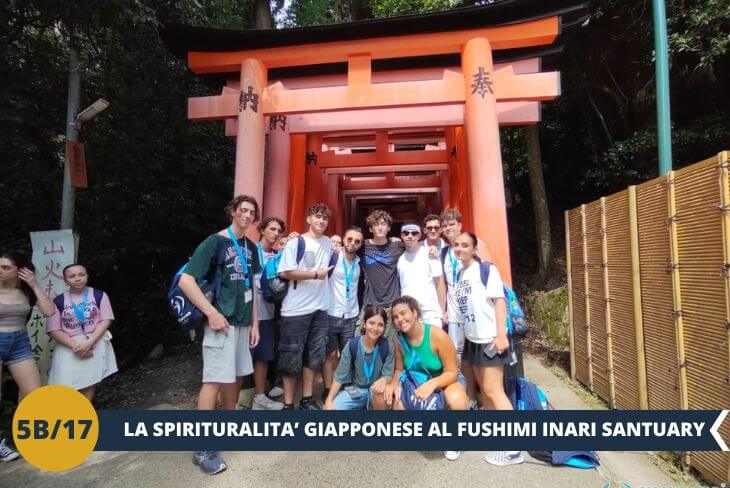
point(400, 113)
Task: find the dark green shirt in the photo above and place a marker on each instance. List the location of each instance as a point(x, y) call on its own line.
point(235, 300)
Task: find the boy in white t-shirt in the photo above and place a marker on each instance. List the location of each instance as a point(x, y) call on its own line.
point(421, 277)
point(303, 340)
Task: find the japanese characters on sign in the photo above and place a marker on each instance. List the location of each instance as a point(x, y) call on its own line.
point(277, 119)
point(248, 97)
point(482, 83)
point(52, 251)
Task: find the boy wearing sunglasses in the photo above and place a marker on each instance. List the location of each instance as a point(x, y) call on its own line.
point(420, 276)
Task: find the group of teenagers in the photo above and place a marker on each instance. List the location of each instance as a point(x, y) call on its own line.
point(363, 313)
point(77, 320)
point(360, 312)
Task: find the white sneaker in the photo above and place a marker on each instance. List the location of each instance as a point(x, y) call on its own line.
point(452, 455)
point(262, 402)
point(504, 458)
point(276, 391)
point(7, 453)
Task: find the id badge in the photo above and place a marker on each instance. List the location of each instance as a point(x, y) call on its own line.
point(248, 296)
point(353, 391)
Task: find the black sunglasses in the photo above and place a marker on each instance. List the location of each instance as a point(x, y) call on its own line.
point(410, 233)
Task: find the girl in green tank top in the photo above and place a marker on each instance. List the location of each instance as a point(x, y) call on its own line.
point(427, 361)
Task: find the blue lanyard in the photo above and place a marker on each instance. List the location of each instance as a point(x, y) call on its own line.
point(454, 265)
point(367, 369)
point(262, 257)
point(80, 309)
point(244, 263)
point(348, 275)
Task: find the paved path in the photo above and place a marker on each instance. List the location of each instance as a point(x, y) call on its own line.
point(345, 469)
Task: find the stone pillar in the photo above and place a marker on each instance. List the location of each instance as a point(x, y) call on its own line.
point(276, 179)
point(486, 181)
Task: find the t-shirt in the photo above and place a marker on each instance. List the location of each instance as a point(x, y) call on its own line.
point(264, 309)
point(451, 267)
point(235, 300)
point(308, 295)
point(342, 304)
point(416, 272)
point(475, 303)
point(345, 375)
point(441, 244)
point(93, 314)
point(379, 263)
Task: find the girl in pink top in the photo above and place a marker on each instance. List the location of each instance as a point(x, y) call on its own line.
point(83, 355)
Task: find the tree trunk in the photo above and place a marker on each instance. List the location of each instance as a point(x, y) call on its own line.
point(360, 10)
point(539, 202)
point(263, 14)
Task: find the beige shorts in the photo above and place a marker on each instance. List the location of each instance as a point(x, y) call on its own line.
point(226, 355)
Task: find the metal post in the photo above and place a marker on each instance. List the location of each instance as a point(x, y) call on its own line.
point(72, 135)
point(664, 119)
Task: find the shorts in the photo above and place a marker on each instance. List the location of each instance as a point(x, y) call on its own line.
point(15, 347)
point(389, 327)
point(340, 331)
point(226, 355)
point(303, 342)
point(264, 350)
point(344, 401)
point(456, 334)
point(474, 355)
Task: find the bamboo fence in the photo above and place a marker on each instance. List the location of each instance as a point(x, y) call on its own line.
point(649, 296)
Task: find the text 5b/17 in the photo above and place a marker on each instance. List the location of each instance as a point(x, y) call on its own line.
point(42, 429)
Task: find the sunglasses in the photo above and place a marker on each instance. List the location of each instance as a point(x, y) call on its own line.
point(410, 233)
point(351, 240)
point(433, 228)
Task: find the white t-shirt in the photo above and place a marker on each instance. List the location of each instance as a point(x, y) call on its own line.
point(309, 295)
point(451, 267)
point(441, 244)
point(340, 305)
point(475, 303)
point(416, 272)
point(264, 309)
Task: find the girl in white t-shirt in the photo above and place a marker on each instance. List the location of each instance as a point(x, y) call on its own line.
point(482, 310)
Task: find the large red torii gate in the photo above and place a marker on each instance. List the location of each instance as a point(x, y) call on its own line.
point(307, 85)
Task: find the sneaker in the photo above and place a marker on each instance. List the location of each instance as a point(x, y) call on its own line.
point(452, 455)
point(473, 405)
point(504, 458)
point(262, 402)
point(308, 404)
point(210, 462)
point(7, 453)
point(276, 391)
point(288, 406)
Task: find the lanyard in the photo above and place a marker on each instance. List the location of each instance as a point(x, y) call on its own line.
point(244, 263)
point(80, 309)
point(348, 275)
point(262, 257)
point(454, 265)
point(367, 369)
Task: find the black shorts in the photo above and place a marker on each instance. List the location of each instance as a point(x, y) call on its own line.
point(474, 355)
point(303, 342)
point(340, 331)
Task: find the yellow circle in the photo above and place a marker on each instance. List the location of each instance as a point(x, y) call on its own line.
point(55, 428)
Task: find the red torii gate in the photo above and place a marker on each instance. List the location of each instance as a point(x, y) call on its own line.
point(306, 85)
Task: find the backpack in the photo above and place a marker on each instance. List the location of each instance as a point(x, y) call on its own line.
point(410, 381)
point(187, 314)
point(60, 301)
point(274, 288)
point(383, 348)
point(516, 322)
point(526, 395)
point(575, 459)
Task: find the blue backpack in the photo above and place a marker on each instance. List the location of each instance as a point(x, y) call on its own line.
point(410, 380)
point(575, 459)
point(526, 395)
point(516, 322)
point(274, 288)
point(187, 314)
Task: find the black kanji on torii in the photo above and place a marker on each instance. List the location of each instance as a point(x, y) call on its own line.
point(277, 119)
point(482, 84)
point(311, 158)
point(248, 97)
point(452, 154)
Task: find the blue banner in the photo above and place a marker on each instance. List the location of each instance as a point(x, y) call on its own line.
point(618, 430)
